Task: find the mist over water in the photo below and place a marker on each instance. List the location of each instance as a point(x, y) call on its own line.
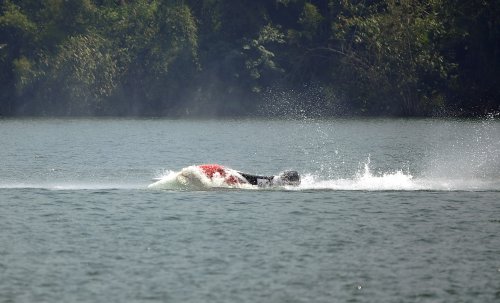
point(473, 155)
point(443, 157)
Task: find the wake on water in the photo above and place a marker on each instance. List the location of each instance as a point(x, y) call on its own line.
point(191, 178)
point(69, 185)
point(364, 179)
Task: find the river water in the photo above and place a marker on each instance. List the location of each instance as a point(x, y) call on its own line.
point(388, 211)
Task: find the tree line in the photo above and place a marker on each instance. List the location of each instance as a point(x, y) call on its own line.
point(226, 57)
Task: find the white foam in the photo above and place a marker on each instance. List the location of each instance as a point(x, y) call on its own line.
point(398, 181)
point(364, 180)
point(192, 178)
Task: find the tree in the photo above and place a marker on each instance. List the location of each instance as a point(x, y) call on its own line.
point(391, 55)
point(81, 76)
point(17, 38)
point(155, 44)
point(472, 43)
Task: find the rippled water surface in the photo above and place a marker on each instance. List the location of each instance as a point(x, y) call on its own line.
point(388, 211)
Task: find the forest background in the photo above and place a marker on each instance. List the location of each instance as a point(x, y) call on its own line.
point(249, 57)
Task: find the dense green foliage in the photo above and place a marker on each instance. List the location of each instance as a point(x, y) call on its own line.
point(226, 57)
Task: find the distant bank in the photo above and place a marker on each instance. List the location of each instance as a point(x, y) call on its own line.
point(198, 58)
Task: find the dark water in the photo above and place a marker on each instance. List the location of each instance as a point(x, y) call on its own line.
point(389, 211)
